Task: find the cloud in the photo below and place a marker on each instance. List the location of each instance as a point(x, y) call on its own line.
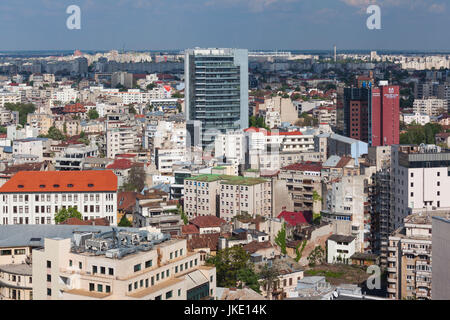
point(253, 5)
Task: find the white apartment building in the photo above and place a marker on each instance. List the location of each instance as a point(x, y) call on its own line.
point(418, 118)
point(419, 179)
point(236, 195)
point(73, 157)
point(409, 259)
point(231, 146)
point(431, 107)
point(119, 141)
point(30, 146)
point(345, 208)
point(8, 97)
point(92, 266)
point(65, 95)
point(166, 158)
point(31, 197)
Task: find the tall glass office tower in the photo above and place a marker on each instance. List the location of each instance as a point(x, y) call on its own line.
point(216, 92)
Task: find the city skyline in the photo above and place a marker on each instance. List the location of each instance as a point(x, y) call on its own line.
point(252, 24)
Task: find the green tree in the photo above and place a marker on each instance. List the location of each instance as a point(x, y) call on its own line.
point(132, 110)
point(177, 95)
point(3, 130)
point(183, 215)
point(93, 114)
point(124, 222)
point(136, 179)
point(247, 277)
point(269, 275)
point(151, 86)
point(317, 256)
point(280, 239)
point(55, 134)
point(229, 264)
point(64, 214)
point(23, 109)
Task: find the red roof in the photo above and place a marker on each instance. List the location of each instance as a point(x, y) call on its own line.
point(295, 218)
point(207, 222)
point(305, 166)
point(189, 229)
point(120, 164)
point(61, 181)
point(94, 222)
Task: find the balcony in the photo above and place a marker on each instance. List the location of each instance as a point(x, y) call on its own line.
point(391, 269)
point(391, 290)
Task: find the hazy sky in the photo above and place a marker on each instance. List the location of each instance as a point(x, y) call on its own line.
point(252, 24)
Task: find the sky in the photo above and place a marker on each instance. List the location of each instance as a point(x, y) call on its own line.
point(253, 24)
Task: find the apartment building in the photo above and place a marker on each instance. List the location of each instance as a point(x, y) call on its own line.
point(8, 97)
point(73, 157)
point(227, 196)
point(122, 264)
point(120, 140)
point(409, 259)
point(303, 181)
point(431, 107)
point(441, 258)
point(42, 122)
point(346, 207)
point(35, 197)
point(419, 179)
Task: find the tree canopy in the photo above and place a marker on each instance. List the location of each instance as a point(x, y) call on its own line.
point(233, 268)
point(64, 214)
point(93, 114)
point(136, 179)
point(124, 222)
point(23, 108)
point(417, 134)
point(55, 134)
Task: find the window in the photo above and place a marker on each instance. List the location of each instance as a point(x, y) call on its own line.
point(137, 268)
point(80, 265)
point(179, 292)
point(108, 289)
point(102, 270)
point(49, 264)
point(49, 292)
point(158, 298)
point(169, 294)
point(148, 263)
point(91, 287)
point(19, 251)
point(94, 269)
point(100, 288)
point(111, 271)
point(130, 287)
point(49, 278)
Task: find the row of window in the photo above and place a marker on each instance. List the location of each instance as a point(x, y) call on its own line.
point(64, 197)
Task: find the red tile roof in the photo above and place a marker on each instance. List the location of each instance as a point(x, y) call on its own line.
point(305, 166)
point(120, 164)
point(295, 218)
point(189, 229)
point(255, 246)
point(126, 200)
point(61, 181)
point(207, 222)
point(94, 222)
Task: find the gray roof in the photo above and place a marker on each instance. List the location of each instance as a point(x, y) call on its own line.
point(332, 161)
point(22, 269)
point(34, 235)
point(341, 238)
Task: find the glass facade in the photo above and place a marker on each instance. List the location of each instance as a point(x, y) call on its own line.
point(217, 90)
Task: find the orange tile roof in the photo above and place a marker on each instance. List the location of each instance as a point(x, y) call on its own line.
point(61, 181)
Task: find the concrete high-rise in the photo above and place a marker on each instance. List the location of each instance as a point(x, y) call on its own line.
point(216, 91)
point(372, 114)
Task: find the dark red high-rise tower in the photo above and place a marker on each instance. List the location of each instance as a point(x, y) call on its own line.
point(384, 111)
